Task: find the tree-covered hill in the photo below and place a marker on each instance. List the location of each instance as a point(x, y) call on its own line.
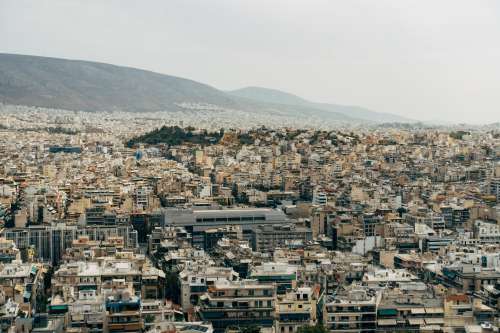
point(174, 135)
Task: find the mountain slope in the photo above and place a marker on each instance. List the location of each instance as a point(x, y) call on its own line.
point(269, 96)
point(91, 86)
point(277, 96)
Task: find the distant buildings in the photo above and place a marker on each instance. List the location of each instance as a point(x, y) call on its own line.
point(366, 229)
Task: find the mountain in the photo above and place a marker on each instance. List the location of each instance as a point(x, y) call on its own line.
point(92, 86)
point(280, 97)
point(269, 96)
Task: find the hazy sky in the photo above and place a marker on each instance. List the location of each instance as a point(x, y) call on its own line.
point(426, 59)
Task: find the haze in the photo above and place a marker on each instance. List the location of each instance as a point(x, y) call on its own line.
point(428, 60)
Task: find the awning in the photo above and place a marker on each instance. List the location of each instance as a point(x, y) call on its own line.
point(416, 321)
point(434, 321)
point(434, 310)
point(59, 307)
point(387, 312)
point(87, 287)
point(386, 322)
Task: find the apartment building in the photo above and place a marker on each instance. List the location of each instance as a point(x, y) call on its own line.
point(295, 309)
point(353, 309)
point(267, 238)
point(239, 304)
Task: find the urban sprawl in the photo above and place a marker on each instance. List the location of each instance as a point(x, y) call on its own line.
point(198, 223)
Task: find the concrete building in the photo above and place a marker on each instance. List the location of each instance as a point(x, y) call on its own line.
point(487, 233)
point(123, 309)
point(295, 309)
point(266, 238)
point(197, 221)
point(196, 279)
point(239, 304)
point(353, 309)
point(283, 275)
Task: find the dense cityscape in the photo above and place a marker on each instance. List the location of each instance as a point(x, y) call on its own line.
point(206, 223)
point(262, 166)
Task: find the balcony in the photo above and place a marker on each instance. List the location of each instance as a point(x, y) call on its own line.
point(294, 317)
point(125, 327)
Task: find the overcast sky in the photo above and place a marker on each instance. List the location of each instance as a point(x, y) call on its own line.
point(425, 59)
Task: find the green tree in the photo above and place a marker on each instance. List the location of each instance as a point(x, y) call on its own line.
point(175, 135)
point(149, 318)
point(172, 286)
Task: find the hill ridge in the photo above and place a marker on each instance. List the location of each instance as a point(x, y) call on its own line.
point(83, 85)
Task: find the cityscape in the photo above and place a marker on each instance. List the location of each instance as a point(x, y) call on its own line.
point(135, 201)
